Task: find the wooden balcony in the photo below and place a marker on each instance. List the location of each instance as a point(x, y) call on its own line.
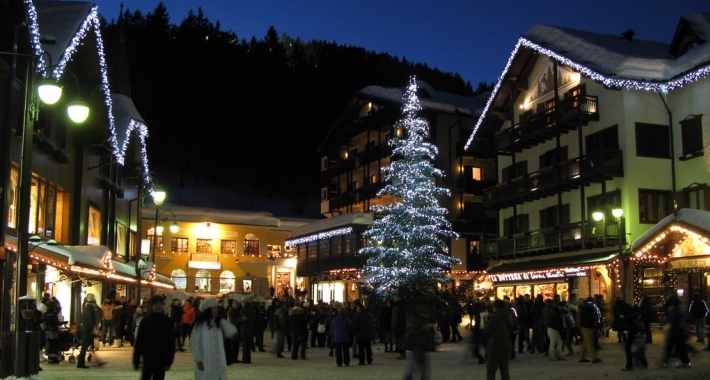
point(538, 128)
point(568, 175)
point(471, 186)
point(565, 238)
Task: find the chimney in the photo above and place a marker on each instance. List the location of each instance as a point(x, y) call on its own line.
point(627, 35)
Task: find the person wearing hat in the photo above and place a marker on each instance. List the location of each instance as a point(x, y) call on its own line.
point(207, 342)
point(90, 320)
point(155, 341)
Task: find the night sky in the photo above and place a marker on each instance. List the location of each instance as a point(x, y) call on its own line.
point(471, 37)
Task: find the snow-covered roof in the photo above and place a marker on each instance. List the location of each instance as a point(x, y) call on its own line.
point(612, 61)
point(438, 100)
point(695, 218)
point(91, 255)
point(336, 222)
point(215, 215)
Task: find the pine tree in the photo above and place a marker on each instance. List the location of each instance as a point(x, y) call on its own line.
point(407, 248)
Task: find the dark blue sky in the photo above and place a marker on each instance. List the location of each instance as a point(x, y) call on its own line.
point(471, 37)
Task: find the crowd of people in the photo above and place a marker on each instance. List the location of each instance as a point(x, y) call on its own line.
point(225, 331)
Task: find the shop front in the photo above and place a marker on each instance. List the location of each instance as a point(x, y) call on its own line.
point(582, 275)
point(674, 255)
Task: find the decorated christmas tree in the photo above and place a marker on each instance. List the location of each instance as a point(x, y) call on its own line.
point(407, 249)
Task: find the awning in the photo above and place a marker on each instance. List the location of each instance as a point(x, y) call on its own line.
point(576, 261)
point(690, 220)
point(90, 256)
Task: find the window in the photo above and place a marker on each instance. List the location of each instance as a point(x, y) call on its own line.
point(179, 244)
point(323, 249)
point(349, 245)
point(251, 245)
point(158, 241)
point(312, 251)
point(652, 140)
point(203, 281)
point(606, 139)
point(691, 130)
point(290, 251)
point(121, 247)
point(179, 277)
point(228, 247)
point(373, 179)
point(302, 252)
point(515, 224)
point(324, 163)
point(336, 246)
point(549, 216)
point(516, 170)
point(553, 157)
point(204, 246)
point(93, 232)
point(13, 198)
point(324, 194)
point(472, 172)
point(273, 251)
point(694, 197)
point(226, 282)
point(474, 259)
point(652, 284)
point(653, 205)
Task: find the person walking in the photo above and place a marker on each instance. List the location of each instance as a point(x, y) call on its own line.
point(176, 313)
point(364, 331)
point(647, 313)
point(279, 323)
point(588, 323)
point(107, 322)
point(298, 326)
point(498, 330)
point(246, 324)
point(385, 323)
point(635, 336)
point(538, 341)
point(188, 319)
point(399, 326)
point(341, 328)
point(698, 310)
point(419, 340)
point(155, 342)
point(51, 321)
point(555, 330)
point(676, 336)
point(207, 342)
point(523, 324)
point(90, 320)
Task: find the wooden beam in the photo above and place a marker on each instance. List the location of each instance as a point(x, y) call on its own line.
point(503, 115)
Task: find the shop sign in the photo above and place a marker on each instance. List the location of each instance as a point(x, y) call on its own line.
point(203, 265)
point(690, 263)
point(538, 275)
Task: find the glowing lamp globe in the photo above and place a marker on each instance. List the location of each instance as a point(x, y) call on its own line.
point(49, 91)
point(78, 111)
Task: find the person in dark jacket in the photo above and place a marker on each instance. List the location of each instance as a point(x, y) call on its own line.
point(589, 320)
point(555, 330)
point(386, 326)
point(399, 326)
point(619, 312)
point(298, 326)
point(676, 335)
point(51, 321)
point(635, 336)
point(647, 313)
point(155, 342)
point(523, 324)
point(364, 330)
point(261, 321)
point(538, 339)
point(90, 320)
point(176, 312)
point(246, 328)
point(698, 311)
point(419, 339)
point(340, 328)
point(498, 330)
point(279, 324)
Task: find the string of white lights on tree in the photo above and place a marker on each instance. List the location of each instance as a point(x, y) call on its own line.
point(408, 246)
point(608, 81)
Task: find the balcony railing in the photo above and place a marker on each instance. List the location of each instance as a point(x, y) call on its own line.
point(472, 186)
point(547, 240)
point(567, 175)
point(544, 126)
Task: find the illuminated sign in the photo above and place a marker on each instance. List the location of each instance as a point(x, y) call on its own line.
point(690, 263)
point(553, 274)
point(204, 265)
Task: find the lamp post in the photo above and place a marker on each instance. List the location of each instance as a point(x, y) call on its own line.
point(174, 228)
point(30, 112)
point(617, 212)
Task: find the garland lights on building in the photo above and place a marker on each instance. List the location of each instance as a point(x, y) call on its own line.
point(607, 81)
point(319, 236)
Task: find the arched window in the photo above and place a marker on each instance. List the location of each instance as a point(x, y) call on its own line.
point(179, 277)
point(251, 245)
point(226, 281)
point(203, 281)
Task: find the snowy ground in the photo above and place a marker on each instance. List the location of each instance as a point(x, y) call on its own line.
point(452, 361)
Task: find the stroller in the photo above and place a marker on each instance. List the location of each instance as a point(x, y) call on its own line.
point(70, 343)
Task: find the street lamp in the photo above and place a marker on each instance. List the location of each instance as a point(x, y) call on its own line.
point(606, 202)
point(174, 228)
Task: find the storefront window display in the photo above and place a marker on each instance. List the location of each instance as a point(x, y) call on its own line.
point(547, 290)
point(503, 291)
point(522, 290)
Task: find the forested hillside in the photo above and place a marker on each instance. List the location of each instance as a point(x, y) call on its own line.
point(246, 112)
